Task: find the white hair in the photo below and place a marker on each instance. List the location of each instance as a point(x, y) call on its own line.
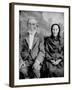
point(30, 18)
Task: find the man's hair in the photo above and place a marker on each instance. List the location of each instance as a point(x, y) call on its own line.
point(29, 18)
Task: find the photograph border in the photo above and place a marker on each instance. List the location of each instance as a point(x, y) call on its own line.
point(11, 43)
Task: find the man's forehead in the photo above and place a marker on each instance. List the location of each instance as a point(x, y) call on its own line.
point(33, 20)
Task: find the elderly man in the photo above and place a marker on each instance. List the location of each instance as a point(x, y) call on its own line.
point(32, 53)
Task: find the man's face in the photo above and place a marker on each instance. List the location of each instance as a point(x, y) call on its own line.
point(32, 25)
point(55, 30)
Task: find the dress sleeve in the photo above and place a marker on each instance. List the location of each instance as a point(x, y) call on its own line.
point(47, 49)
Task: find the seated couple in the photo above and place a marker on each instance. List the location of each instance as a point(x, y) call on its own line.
point(40, 56)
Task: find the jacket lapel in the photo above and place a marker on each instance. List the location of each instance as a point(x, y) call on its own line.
point(27, 39)
point(35, 40)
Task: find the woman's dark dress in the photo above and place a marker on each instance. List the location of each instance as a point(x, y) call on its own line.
point(54, 49)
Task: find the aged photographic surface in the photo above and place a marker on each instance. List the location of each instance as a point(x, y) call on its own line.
point(41, 44)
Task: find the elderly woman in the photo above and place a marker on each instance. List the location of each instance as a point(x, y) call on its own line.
point(54, 57)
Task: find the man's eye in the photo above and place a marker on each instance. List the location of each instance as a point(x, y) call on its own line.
point(29, 23)
point(33, 24)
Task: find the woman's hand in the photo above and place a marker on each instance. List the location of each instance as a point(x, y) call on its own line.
point(53, 62)
point(56, 62)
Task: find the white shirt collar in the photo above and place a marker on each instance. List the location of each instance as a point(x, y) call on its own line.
point(33, 33)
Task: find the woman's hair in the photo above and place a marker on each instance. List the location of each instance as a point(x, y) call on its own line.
point(52, 36)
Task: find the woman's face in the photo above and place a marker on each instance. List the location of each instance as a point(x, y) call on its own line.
point(55, 30)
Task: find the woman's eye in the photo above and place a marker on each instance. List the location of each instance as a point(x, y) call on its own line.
point(53, 29)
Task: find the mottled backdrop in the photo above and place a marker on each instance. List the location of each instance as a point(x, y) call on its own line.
point(45, 20)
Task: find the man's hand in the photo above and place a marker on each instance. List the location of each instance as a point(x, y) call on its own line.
point(23, 68)
point(36, 66)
